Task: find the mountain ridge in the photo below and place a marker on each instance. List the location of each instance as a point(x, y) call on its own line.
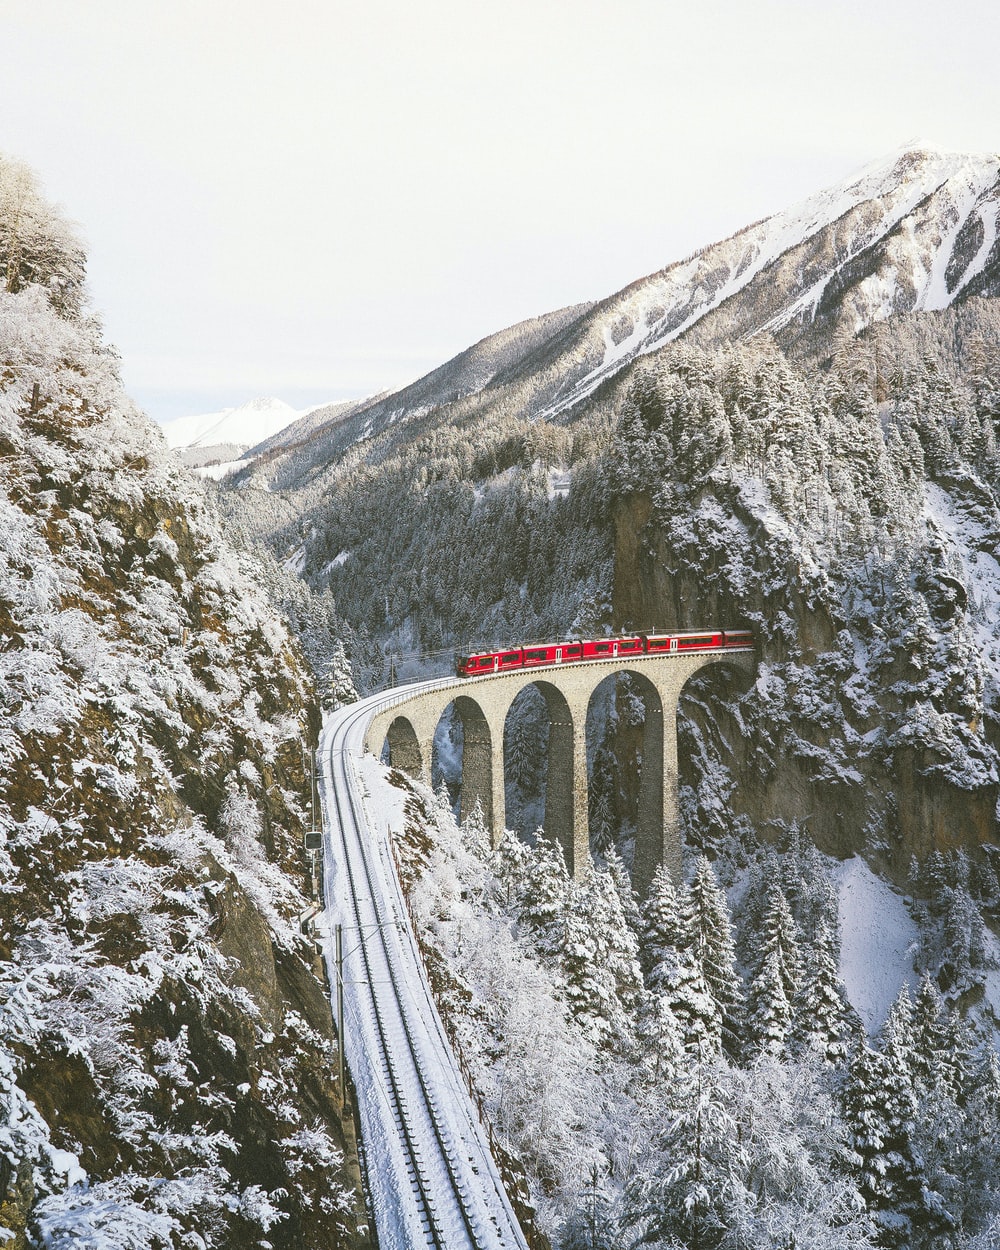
point(922, 196)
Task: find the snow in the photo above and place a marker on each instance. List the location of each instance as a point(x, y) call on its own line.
point(558, 482)
point(989, 215)
point(218, 471)
point(972, 546)
point(296, 562)
point(991, 981)
point(246, 425)
point(878, 941)
point(339, 559)
point(967, 187)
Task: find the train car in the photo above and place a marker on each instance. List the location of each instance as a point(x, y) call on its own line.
point(475, 665)
point(738, 638)
point(659, 644)
point(539, 655)
point(610, 648)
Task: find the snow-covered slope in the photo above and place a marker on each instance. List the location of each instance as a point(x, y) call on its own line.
point(915, 232)
point(160, 1020)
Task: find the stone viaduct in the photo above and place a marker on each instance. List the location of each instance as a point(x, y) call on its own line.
point(482, 703)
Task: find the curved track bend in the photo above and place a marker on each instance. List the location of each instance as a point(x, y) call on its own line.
point(430, 1174)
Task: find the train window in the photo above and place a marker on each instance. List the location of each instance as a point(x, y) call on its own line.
point(511, 657)
point(629, 644)
point(572, 652)
point(603, 646)
point(486, 661)
point(695, 642)
point(658, 642)
point(537, 656)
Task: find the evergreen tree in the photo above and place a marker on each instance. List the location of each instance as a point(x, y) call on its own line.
point(929, 1037)
point(979, 1160)
point(711, 951)
point(524, 754)
point(626, 894)
point(599, 957)
point(775, 983)
point(691, 1000)
point(511, 864)
point(694, 1198)
point(824, 1022)
point(896, 1034)
point(545, 893)
point(769, 1008)
point(661, 1038)
point(603, 794)
point(879, 1108)
point(336, 684)
point(662, 932)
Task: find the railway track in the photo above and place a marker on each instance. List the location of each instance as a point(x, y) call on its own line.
point(430, 1174)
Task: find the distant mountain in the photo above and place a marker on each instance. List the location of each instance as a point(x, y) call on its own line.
point(360, 494)
point(225, 435)
point(914, 233)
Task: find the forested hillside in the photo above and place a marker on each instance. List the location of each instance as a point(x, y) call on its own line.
point(853, 520)
point(689, 1072)
point(165, 1042)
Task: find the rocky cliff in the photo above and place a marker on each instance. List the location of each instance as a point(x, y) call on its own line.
point(858, 540)
point(166, 1050)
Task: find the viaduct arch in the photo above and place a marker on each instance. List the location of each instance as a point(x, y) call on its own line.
point(482, 703)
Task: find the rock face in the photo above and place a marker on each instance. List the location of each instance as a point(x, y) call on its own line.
point(905, 808)
point(871, 588)
point(166, 1048)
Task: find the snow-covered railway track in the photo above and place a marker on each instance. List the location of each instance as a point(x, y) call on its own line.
point(430, 1173)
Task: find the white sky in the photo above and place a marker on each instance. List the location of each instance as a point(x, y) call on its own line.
point(315, 199)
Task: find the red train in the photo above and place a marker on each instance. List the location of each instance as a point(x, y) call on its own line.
point(544, 654)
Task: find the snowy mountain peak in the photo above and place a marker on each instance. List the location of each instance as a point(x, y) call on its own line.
point(244, 426)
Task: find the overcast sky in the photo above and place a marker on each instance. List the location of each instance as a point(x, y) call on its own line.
point(315, 199)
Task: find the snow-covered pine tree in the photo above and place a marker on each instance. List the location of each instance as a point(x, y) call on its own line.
point(824, 1022)
point(711, 949)
point(929, 1037)
point(694, 1195)
point(879, 1110)
point(660, 1037)
point(896, 1037)
point(511, 866)
point(626, 894)
point(775, 983)
point(335, 682)
point(522, 749)
point(545, 894)
point(599, 955)
point(769, 1009)
point(662, 932)
point(980, 1154)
